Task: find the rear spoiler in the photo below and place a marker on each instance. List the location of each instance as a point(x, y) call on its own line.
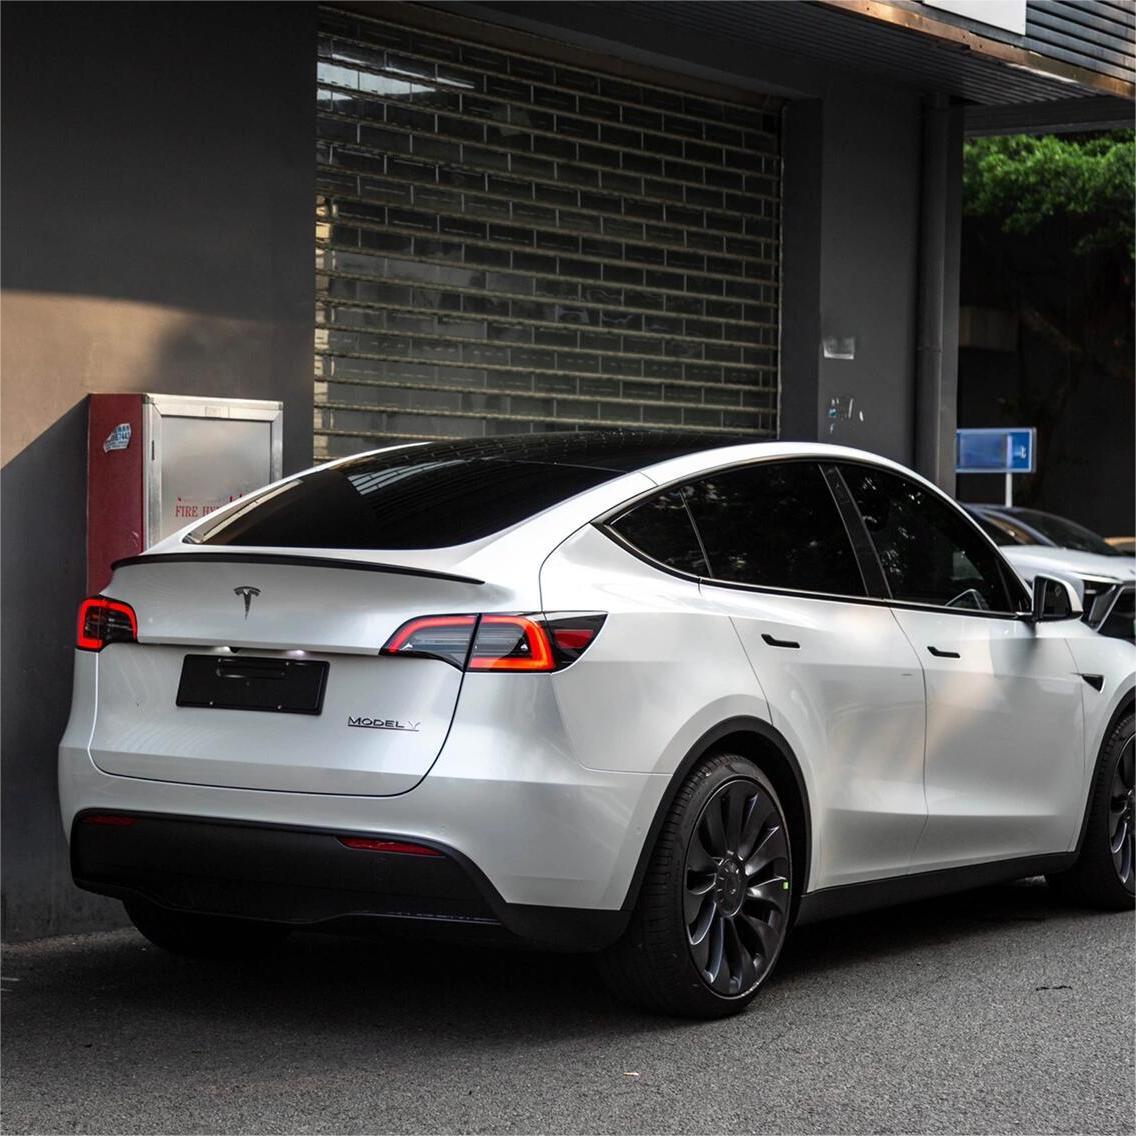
point(284, 558)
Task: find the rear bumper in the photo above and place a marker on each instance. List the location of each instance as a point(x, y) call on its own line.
point(309, 879)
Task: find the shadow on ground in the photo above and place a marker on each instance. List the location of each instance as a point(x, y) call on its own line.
point(406, 984)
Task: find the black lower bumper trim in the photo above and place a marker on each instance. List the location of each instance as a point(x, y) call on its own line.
point(308, 879)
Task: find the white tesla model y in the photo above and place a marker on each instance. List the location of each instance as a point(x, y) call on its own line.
point(653, 695)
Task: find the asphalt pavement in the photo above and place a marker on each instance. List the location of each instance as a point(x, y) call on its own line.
point(992, 1012)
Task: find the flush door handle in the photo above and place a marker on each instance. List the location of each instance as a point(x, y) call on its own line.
point(781, 642)
point(944, 654)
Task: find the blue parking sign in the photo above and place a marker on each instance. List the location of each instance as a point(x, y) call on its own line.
point(996, 450)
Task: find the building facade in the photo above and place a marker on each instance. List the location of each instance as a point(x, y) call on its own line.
point(431, 220)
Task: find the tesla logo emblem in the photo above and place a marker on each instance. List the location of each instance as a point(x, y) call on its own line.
point(246, 593)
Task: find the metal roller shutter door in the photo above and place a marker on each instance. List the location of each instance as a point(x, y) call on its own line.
point(506, 244)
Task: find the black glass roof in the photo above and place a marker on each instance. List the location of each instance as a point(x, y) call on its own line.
point(621, 451)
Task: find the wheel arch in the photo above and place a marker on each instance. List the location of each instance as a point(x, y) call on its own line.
point(1126, 705)
point(767, 747)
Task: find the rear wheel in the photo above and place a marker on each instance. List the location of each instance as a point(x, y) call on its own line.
point(203, 936)
point(1105, 872)
point(713, 910)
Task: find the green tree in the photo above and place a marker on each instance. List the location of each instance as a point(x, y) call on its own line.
point(1048, 236)
point(1023, 180)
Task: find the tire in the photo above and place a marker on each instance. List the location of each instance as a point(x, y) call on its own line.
point(203, 936)
point(1104, 875)
point(698, 916)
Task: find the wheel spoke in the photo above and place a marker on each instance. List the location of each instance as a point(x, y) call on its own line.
point(699, 929)
point(773, 892)
point(715, 841)
point(717, 954)
point(695, 896)
point(739, 958)
point(735, 810)
point(766, 935)
point(1123, 860)
point(756, 822)
point(771, 846)
point(698, 859)
point(1119, 837)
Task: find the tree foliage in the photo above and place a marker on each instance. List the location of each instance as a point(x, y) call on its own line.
point(1022, 180)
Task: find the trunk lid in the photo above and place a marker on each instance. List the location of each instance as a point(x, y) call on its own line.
point(382, 721)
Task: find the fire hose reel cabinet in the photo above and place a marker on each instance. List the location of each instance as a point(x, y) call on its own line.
point(156, 462)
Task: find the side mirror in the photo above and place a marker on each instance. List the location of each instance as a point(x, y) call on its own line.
point(1054, 599)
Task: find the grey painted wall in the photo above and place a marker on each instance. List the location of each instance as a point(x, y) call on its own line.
point(870, 218)
point(157, 214)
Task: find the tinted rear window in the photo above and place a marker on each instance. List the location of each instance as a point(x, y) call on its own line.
point(410, 498)
point(662, 529)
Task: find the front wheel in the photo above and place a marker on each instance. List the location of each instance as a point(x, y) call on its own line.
point(1104, 875)
point(714, 907)
point(203, 936)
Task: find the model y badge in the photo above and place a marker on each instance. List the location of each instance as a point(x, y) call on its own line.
point(246, 593)
point(382, 724)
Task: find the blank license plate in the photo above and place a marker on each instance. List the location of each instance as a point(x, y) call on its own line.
point(284, 686)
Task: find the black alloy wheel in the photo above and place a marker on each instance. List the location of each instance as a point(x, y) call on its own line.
point(1104, 873)
point(737, 888)
point(1122, 823)
point(716, 901)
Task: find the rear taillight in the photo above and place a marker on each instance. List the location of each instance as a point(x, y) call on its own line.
point(103, 621)
point(495, 642)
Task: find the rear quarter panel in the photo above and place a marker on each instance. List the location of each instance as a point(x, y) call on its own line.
point(661, 674)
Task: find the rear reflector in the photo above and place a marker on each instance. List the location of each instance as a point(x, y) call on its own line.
point(103, 621)
point(404, 848)
point(111, 820)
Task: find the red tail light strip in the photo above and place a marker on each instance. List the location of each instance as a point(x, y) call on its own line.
point(530, 651)
point(498, 642)
point(103, 621)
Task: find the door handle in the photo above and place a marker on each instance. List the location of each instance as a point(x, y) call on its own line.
point(944, 654)
point(780, 642)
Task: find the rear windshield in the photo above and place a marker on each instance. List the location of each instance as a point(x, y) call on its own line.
point(400, 499)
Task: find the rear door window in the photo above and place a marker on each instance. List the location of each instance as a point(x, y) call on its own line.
point(775, 525)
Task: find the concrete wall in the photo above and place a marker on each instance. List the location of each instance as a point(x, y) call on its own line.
point(158, 218)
